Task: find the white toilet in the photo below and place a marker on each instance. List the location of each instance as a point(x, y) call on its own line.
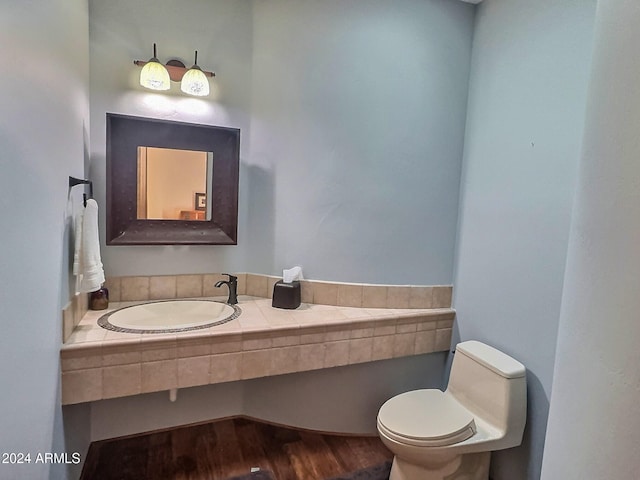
point(449, 435)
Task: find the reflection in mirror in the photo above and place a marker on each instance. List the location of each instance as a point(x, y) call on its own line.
point(172, 184)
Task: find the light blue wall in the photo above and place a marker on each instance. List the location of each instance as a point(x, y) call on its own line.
point(43, 127)
point(352, 123)
point(594, 418)
point(527, 97)
point(358, 117)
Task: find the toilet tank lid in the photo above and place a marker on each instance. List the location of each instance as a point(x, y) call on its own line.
point(499, 362)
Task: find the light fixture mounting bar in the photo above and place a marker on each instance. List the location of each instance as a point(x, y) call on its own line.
point(175, 72)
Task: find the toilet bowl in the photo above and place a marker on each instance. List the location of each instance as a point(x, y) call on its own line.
point(449, 435)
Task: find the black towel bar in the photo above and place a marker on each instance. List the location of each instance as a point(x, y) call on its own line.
point(73, 181)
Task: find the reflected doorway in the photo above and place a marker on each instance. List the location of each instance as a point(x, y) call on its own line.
point(172, 184)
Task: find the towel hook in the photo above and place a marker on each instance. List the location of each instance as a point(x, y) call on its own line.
point(73, 181)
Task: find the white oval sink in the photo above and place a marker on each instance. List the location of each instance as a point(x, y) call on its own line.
point(169, 316)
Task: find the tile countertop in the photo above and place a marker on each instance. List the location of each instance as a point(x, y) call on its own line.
point(98, 363)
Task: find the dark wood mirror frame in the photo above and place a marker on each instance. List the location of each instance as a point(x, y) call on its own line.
point(124, 135)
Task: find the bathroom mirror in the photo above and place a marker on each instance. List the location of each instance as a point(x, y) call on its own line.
point(171, 182)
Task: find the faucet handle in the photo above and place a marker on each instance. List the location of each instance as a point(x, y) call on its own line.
point(232, 278)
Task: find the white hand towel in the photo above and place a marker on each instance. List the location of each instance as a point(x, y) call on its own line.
point(77, 240)
point(90, 260)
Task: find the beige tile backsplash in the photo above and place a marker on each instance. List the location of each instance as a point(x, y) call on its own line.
point(133, 288)
point(141, 288)
point(374, 296)
point(350, 295)
point(73, 313)
point(189, 286)
point(159, 287)
point(398, 296)
point(162, 287)
point(257, 285)
point(325, 293)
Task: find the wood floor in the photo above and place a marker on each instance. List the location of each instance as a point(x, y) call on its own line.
point(226, 448)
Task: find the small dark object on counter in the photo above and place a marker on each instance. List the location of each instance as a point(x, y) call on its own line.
point(99, 300)
point(286, 295)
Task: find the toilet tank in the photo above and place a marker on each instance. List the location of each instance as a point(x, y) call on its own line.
point(492, 385)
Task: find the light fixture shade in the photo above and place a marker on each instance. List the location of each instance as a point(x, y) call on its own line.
point(195, 82)
point(154, 75)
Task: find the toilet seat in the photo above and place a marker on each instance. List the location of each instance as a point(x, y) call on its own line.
point(425, 418)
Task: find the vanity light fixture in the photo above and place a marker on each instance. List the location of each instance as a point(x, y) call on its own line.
point(156, 76)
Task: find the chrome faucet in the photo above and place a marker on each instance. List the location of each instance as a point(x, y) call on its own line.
point(232, 283)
